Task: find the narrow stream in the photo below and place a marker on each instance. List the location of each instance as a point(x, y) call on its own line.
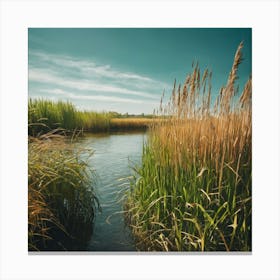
point(114, 154)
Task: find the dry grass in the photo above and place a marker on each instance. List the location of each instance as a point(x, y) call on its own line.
point(194, 189)
point(61, 200)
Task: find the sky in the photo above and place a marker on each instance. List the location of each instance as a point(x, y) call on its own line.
point(126, 70)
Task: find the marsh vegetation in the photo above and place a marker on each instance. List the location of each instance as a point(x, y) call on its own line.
point(46, 115)
point(194, 186)
point(192, 190)
point(61, 200)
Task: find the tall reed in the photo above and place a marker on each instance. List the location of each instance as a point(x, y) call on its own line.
point(46, 115)
point(193, 188)
point(61, 200)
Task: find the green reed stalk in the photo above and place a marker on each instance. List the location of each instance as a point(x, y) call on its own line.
point(193, 188)
point(61, 200)
point(45, 115)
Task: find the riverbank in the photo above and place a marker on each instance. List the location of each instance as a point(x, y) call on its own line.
point(46, 115)
point(114, 156)
point(62, 204)
point(194, 186)
point(61, 199)
point(192, 189)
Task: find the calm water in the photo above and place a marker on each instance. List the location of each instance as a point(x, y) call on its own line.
point(114, 154)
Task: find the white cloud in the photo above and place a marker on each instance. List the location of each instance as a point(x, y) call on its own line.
point(49, 77)
point(70, 95)
point(84, 80)
point(89, 68)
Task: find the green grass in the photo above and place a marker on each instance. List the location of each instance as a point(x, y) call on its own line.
point(61, 200)
point(45, 116)
point(193, 190)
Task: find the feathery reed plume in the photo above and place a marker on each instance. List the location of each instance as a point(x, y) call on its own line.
point(193, 190)
point(228, 91)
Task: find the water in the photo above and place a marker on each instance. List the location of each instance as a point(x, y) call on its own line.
point(114, 154)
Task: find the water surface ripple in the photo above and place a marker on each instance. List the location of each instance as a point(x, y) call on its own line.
point(114, 154)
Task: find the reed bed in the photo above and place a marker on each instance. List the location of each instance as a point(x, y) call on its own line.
point(45, 116)
point(94, 122)
point(193, 189)
point(61, 200)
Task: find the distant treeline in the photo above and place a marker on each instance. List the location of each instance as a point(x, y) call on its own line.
point(126, 115)
point(46, 115)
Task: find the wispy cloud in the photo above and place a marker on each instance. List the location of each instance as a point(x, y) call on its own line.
point(43, 76)
point(81, 80)
point(89, 68)
point(70, 95)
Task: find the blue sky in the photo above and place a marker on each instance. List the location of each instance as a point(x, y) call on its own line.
point(126, 70)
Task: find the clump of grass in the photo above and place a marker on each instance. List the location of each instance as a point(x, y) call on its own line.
point(94, 122)
point(193, 189)
point(61, 200)
point(46, 115)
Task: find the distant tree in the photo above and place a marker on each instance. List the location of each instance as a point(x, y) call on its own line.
point(115, 114)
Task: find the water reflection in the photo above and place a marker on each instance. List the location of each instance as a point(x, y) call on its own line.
point(113, 156)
